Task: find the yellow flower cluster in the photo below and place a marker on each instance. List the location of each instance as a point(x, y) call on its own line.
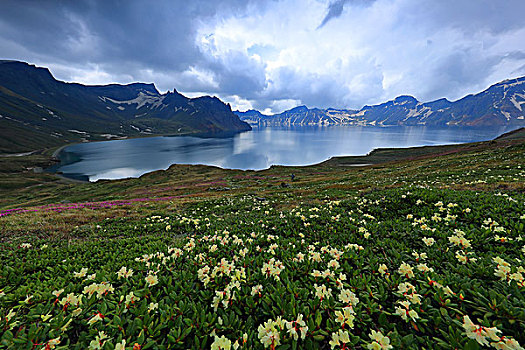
point(504, 271)
point(100, 289)
point(459, 239)
point(124, 272)
point(405, 312)
point(322, 292)
point(339, 338)
point(406, 270)
point(296, 327)
point(345, 317)
point(221, 343)
point(379, 341)
point(485, 334)
point(272, 268)
point(270, 332)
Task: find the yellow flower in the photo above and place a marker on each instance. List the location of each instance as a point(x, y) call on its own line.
point(297, 325)
point(429, 241)
point(51, 344)
point(121, 345)
point(81, 273)
point(339, 338)
point(153, 306)
point(345, 317)
point(492, 333)
point(507, 344)
point(316, 273)
point(131, 298)
point(406, 270)
point(257, 289)
point(70, 299)
point(405, 312)
point(299, 257)
point(124, 272)
point(100, 288)
point(334, 264)
point(272, 268)
point(424, 268)
point(322, 292)
point(221, 343)
point(58, 292)
point(99, 341)
point(348, 297)
point(270, 333)
point(379, 341)
point(474, 331)
point(151, 280)
point(96, 317)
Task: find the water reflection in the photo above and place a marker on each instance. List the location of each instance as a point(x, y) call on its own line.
point(257, 149)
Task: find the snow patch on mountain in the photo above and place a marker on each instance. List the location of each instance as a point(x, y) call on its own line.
point(515, 102)
point(141, 100)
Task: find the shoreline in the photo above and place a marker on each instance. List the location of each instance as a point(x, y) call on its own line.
point(57, 151)
point(55, 156)
point(52, 187)
point(358, 161)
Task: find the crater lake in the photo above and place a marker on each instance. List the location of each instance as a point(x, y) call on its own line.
point(252, 150)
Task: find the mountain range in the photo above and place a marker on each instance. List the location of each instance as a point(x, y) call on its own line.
point(36, 111)
point(502, 104)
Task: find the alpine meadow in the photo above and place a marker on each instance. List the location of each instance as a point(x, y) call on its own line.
point(261, 175)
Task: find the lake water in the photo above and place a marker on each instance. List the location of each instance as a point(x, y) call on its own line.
point(256, 150)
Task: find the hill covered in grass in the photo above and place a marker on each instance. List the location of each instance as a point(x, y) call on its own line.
point(421, 249)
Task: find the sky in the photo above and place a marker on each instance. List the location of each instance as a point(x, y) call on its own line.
point(277, 54)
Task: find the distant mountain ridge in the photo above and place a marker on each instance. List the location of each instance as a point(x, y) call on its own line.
point(502, 104)
point(36, 110)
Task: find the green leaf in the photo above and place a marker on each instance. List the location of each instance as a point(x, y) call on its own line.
point(383, 320)
point(472, 345)
point(443, 311)
point(318, 318)
point(150, 344)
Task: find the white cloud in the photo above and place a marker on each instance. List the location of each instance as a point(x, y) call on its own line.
point(273, 55)
point(369, 53)
point(238, 103)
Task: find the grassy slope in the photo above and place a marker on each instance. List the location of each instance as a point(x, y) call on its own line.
point(377, 198)
point(21, 186)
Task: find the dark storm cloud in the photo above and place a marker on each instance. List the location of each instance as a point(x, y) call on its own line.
point(336, 7)
point(123, 38)
point(270, 54)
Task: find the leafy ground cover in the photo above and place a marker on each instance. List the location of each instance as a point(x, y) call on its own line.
point(425, 252)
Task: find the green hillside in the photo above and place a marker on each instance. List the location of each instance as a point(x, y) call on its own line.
point(422, 249)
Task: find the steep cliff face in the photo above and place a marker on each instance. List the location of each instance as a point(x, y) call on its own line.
point(34, 105)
